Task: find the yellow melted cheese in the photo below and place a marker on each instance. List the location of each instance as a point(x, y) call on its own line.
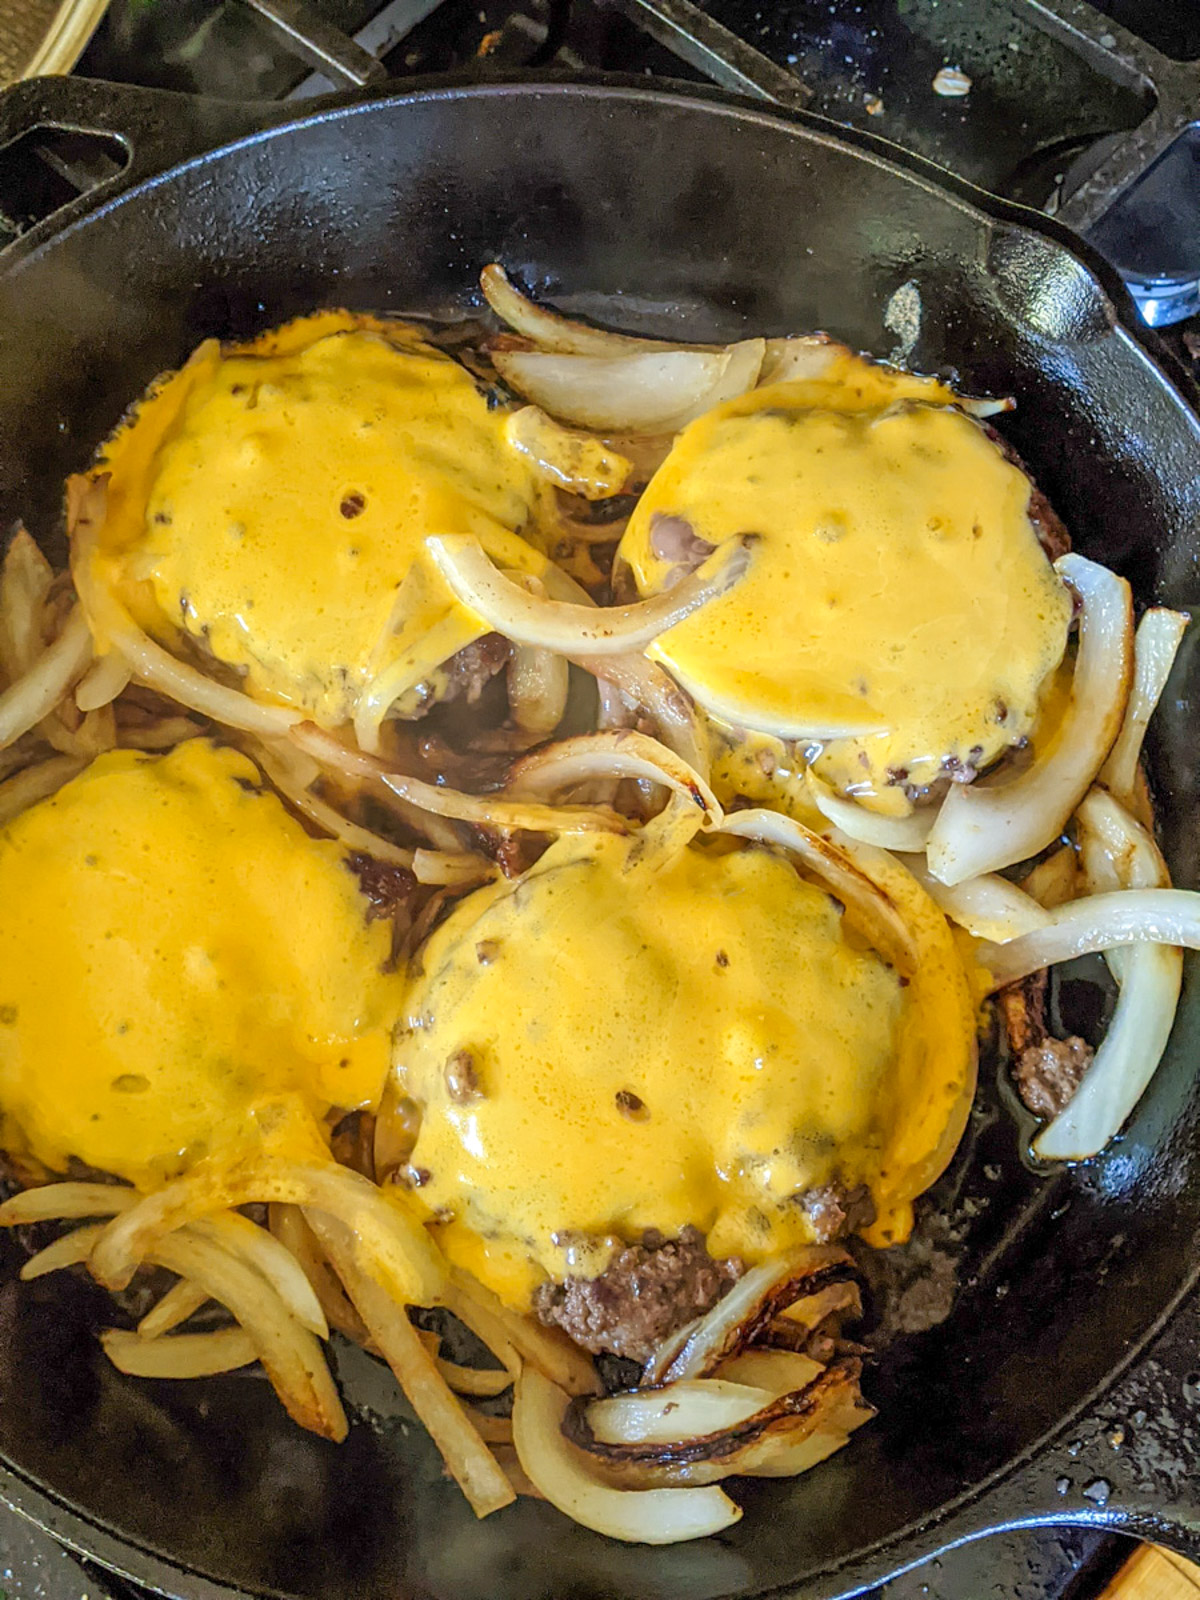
point(768, 1050)
point(178, 958)
point(274, 501)
point(898, 611)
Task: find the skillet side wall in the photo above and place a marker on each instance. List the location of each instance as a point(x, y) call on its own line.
point(681, 218)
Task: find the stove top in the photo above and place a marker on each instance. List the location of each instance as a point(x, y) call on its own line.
point(1090, 112)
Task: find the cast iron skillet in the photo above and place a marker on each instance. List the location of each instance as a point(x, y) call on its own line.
point(1060, 1389)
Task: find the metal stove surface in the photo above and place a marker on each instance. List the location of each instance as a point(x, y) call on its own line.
point(1068, 107)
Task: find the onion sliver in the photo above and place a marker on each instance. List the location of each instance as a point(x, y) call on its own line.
point(1155, 644)
point(675, 1412)
point(1052, 882)
point(549, 329)
point(739, 1316)
point(260, 1249)
point(290, 1355)
point(464, 1452)
point(577, 462)
point(63, 1202)
point(37, 783)
point(68, 1251)
point(100, 685)
point(186, 1355)
point(869, 906)
point(547, 1350)
point(983, 828)
point(1118, 853)
point(486, 1382)
point(290, 1228)
point(279, 762)
point(33, 696)
point(558, 1471)
point(799, 359)
point(397, 1244)
point(776, 1371)
point(904, 834)
point(485, 810)
point(451, 867)
point(988, 907)
point(1097, 922)
point(576, 629)
point(181, 1301)
point(617, 752)
point(25, 579)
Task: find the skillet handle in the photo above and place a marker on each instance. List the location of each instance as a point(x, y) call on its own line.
point(129, 134)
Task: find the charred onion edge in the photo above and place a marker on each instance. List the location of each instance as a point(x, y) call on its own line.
point(779, 1416)
point(573, 629)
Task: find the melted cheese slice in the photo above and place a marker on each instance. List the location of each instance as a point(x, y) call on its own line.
point(700, 1043)
point(898, 612)
point(274, 500)
point(178, 958)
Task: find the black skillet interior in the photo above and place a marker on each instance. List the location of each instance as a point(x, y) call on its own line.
point(678, 216)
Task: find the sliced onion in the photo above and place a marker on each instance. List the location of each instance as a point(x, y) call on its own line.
point(35, 784)
point(577, 462)
point(675, 1412)
point(1097, 922)
point(799, 359)
point(460, 866)
point(181, 1301)
point(903, 834)
point(1052, 882)
point(549, 329)
point(25, 579)
point(538, 679)
point(981, 409)
point(68, 1251)
point(1155, 644)
point(785, 1437)
point(466, 1456)
point(162, 735)
point(740, 1315)
point(63, 1202)
point(779, 1371)
point(115, 630)
point(186, 1355)
point(1118, 853)
point(290, 1354)
point(870, 907)
point(577, 629)
point(279, 762)
point(33, 696)
point(617, 752)
point(844, 1299)
point(259, 1248)
point(983, 828)
point(547, 1350)
point(100, 685)
point(484, 1382)
point(290, 1228)
point(655, 391)
point(559, 1472)
point(988, 907)
point(395, 1241)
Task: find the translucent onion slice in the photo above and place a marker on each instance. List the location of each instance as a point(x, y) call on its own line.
point(396, 1243)
point(181, 1301)
point(279, 762)
point(799, 359)
point(777, 1371)
point(259, 1248)
point(484, 1382)
point(549, 329)
point(32, 697)
point(100, 685)
point(755, 1299)
point(982, 828)
point(644, 391)
point(37, 783)
point(443, 867)
point(466, 1456)
point(577, 462)
point(903, 834)
point(675, 1412)
point(186, 1355)
point(560, 1473)
point(518, 1341)
point(988, 907)
point(68, 1251)
point(63, 1202)
point(1118, 853)
point(616, 752)
point(1155, 644)
point(871, 909)
point(538, 680)
point(785, 1437)
point(1097, 922)
point(25, 579)
point(290, 1354)
point(485, 810)
point(1053, 881)
point(163, 735)
point(115, 630)
point(595, 631)
point(289, 1227)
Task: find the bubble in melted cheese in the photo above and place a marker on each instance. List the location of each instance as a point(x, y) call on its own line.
point(898, 611)
point(273, 501)
point(177, 958)
point(604, 1048)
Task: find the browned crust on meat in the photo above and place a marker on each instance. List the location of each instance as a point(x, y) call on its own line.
point(1046, 1071)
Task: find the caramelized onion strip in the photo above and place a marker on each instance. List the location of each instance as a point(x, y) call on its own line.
point(100, 685)
point(572, 629)
point(25, 579)
point(69, 1250)
point(657, 1516)
point(181, 1301)
point(984, 827)
point(518, 1341)
point(185, 1355)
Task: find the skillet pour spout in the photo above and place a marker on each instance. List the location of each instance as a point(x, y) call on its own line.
point(678, 214)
